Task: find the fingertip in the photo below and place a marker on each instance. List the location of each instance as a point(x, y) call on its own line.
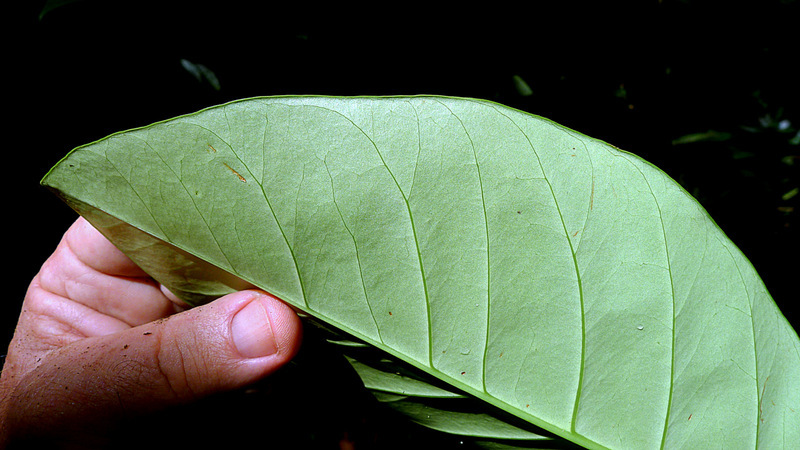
point(286, 325)
point(265, 326)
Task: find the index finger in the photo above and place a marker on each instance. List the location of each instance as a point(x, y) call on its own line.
point(94, 250)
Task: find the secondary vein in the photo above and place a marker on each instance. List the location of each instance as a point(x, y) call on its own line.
point(577, 274)
point(200, 214)
point(413, 231)
point(759, 392)
point(674, 316)
point(358, 257)
point(488, 254)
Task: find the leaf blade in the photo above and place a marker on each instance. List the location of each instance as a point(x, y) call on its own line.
point(545, 272)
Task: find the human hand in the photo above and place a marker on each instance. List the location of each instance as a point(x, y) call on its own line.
point(98, 343)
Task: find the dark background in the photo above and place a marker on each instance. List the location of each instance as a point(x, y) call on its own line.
point(642, 75)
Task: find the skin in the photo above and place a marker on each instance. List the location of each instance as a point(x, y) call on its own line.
point(99, 344)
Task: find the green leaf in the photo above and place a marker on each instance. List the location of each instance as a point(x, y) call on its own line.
point(201, 73)
point(544, 272)
point(51, 5)
point(396, 382)
point(455, 421)
point(710, 135)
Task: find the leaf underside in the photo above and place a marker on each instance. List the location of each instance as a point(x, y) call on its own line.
point(560, 279)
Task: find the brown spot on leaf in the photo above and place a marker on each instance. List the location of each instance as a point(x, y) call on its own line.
point(241, 178)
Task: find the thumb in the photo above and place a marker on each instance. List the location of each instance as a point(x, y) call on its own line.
point(97, 383)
